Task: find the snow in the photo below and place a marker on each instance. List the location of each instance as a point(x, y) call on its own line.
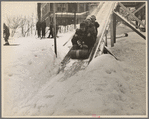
point(106, 87)
point(67, 13)
point(31, 86)
point(28, 63)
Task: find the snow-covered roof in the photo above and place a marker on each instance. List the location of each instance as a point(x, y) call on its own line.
point(68, 14)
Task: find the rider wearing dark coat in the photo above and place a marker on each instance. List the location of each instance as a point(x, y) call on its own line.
point(79, 39)
point(91, 33)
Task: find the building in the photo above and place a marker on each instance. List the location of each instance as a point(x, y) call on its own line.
point(66, 13)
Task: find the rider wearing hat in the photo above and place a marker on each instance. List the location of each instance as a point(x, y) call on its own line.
point(79, 39)
point(96, 24)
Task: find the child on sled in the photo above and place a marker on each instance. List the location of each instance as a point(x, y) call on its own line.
point(79, 39)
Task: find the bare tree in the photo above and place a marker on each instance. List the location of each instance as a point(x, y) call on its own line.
point(29, 25)
point(25, 24)
point(15, 22)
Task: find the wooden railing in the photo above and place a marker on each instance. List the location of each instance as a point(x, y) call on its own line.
point(102, 36)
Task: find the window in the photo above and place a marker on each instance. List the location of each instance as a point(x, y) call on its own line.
point(81, 7)
point(72, 7)
point(51, 6)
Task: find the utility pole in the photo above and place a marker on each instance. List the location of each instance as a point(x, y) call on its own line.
point(74, 19)
point(75, 10)
point(54, 20)
point(39, 10)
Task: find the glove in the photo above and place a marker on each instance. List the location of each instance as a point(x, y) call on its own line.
point(79, 43)
point(88, 34)
point(85, 47)
point(75, 35)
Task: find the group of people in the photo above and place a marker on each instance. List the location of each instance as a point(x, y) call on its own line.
point(85, 37)
point(41, 26)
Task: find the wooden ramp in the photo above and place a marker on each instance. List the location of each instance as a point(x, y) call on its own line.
point(103, 18)
point(129, 24)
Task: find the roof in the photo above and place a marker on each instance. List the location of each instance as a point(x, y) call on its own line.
point(68, 14)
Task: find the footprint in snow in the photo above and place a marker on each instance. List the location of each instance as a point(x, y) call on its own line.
point(110, 71)
point(10, 75)
point(49, 96)
point(29, 62)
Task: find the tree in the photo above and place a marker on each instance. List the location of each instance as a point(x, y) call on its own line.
point(15, 22)
point(24, 23)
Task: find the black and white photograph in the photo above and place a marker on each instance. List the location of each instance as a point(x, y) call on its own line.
point(74, 59)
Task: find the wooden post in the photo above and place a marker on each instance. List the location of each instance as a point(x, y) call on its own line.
point(54, 20)
point(106, 32)
point(74, 19)
point(106, 44)
point(117, 8)
point(140, 22)
point(130, 25)
point(113, 29)
point(139, 9)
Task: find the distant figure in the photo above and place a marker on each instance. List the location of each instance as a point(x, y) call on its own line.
point(51, 30)
point(6, 34)
point(57, 27)
point(43, 27)
point(38, 28)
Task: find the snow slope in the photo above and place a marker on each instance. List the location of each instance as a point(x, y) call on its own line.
point(28, 63)
point(106, 87)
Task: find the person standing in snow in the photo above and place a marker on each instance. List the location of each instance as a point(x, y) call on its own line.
point(43, 27)
point(51, 30)
point(57, 29)
point(6, 34)
point(38, 28)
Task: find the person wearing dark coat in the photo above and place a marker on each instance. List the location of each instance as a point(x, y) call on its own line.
point(91, 33)
point(6, 34)
point(96, 24)
point(51, 30)
point(79, 39)
point(57, 28)
point(43, 27)
point(38, 28)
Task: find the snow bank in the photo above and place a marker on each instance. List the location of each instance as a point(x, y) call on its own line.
point(101, 89)
point(30, 66)
point(105, 87)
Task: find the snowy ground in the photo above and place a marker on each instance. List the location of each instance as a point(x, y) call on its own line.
point(28, 63)
point(106, 87)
